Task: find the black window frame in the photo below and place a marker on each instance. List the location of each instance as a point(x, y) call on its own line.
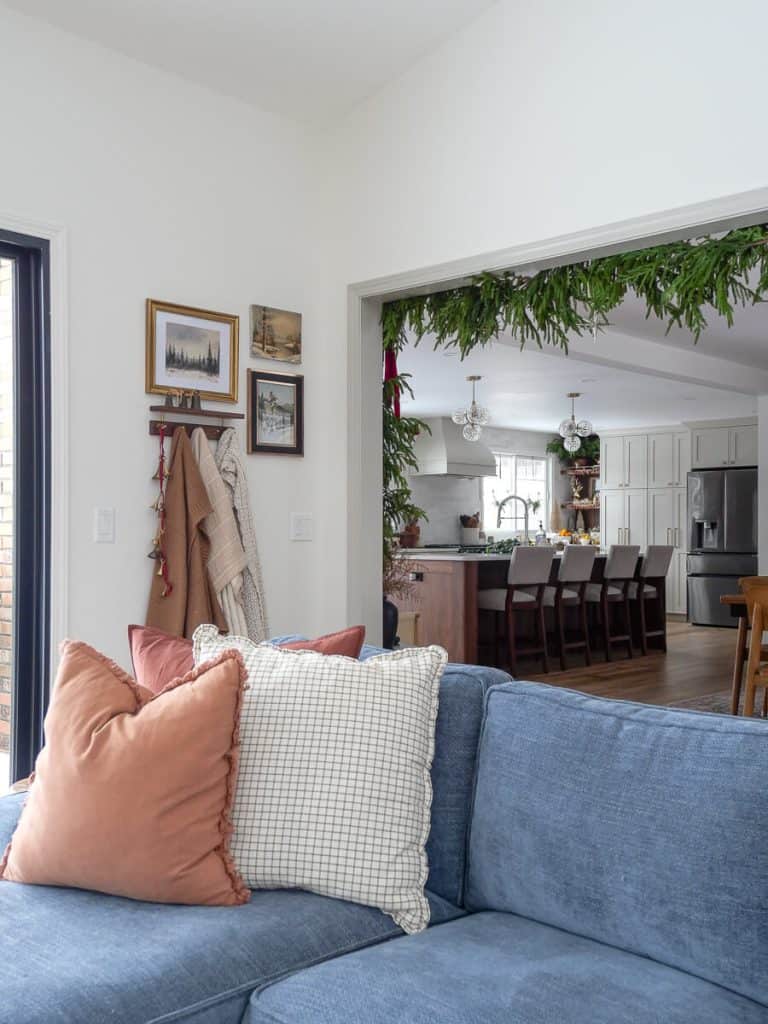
point(31, 632)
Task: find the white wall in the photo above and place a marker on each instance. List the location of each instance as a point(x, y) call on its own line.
point(536, 121)
point(533, 122)
point(169, 191)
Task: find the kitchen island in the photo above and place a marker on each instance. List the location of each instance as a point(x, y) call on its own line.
point(445, 587)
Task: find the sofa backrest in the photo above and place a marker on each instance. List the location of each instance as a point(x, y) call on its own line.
point(459, 717)
point(643, 828)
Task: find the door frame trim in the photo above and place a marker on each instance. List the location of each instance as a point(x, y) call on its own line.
point(56, 235)
point(364, 299)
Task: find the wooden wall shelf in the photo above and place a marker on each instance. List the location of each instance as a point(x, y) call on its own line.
point(581, 471)
point(213, 414)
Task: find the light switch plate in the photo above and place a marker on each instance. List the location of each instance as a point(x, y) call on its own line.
point(104, 526)
point(302, 526)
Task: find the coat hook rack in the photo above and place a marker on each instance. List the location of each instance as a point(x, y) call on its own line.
point(212, 431)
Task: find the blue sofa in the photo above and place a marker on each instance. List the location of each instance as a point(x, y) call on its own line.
point(591, 862)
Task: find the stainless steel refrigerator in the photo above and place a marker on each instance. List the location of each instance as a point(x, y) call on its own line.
point(722, 540)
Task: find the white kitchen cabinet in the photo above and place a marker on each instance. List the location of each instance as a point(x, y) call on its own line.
point(623, 461)
point(715, 447)
point(636, 460)
point(669, 458)
point(623, 517)
point(611, 463)
point(743, 441)
point(677, 584)
point(667, 525)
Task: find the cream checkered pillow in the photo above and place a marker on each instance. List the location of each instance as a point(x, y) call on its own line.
point(334, 791)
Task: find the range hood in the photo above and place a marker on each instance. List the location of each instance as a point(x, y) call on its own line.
point(445, 452)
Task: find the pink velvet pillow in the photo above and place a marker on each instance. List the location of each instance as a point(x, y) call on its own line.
point(158, 657)
point(132, 792)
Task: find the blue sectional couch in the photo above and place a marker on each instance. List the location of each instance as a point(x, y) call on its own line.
point(591, 862)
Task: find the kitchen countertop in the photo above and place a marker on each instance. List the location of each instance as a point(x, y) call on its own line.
point(438, 555)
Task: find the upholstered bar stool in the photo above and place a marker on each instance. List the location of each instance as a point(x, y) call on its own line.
point(529, 570)
point(570, 591)
point(614, 590)
point(651, 586)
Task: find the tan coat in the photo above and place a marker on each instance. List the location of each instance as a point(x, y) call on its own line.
point(193, 599)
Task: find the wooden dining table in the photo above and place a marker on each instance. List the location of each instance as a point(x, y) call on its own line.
point(738, 605)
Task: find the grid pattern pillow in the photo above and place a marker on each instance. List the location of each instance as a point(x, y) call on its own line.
point(334, 791)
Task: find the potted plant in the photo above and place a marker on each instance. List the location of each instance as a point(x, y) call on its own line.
point(587, 455)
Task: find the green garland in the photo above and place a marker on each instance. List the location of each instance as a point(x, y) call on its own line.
point(676, 281)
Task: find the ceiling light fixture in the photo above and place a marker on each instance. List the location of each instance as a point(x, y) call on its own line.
point(473, 418)
point(571, 431)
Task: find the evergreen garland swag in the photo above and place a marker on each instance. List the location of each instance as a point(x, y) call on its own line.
point(678, 282)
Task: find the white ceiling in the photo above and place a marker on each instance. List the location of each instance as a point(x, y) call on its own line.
point(302, 58)
point(746, 342)
point(527, 390)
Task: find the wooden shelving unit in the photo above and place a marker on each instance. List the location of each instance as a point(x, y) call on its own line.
point(591, 509)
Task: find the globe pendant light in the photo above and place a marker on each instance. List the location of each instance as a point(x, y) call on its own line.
point(473, 418)
point(570, 430)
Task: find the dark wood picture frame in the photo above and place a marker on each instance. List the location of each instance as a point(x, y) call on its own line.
point(259, 444)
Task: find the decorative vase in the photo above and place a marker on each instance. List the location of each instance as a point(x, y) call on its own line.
point(389, 623)
point(470, 535)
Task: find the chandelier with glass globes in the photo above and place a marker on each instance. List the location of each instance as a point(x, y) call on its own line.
point(572, 431)
point(474, 417)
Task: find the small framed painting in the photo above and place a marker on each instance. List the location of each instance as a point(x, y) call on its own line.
point(275, 413)
point(275, 334)
point(191, 349)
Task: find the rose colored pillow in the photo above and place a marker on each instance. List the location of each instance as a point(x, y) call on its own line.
point(348, 642)
point(132, 792)
point(159, 657)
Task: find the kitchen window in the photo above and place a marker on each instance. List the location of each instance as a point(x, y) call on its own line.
point(524, 475)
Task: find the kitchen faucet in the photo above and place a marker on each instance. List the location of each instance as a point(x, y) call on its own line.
point(514, 497)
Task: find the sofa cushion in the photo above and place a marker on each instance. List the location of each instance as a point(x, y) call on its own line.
point(497, 969)
point(640, 827)
point(133, 791)
point(459, 716)
point(75, 957)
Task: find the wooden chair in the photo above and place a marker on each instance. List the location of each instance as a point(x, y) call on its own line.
point(755, 590)
point(651, 586)
point(619, 572)
point(570, 591)
point(529, 570)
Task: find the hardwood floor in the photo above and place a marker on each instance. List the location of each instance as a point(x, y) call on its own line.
point(699, 662)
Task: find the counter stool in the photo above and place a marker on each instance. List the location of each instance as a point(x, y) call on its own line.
point(570, 590)
point(528, 574)
point(755, 590)
point(620, 569)
point(652, 586)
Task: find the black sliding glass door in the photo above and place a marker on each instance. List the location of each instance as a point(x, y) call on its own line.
point(25, 500)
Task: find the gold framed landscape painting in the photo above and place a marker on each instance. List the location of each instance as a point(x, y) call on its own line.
point(190, 349)
point(275, 334)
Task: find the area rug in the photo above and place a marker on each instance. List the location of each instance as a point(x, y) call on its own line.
point(717, 703)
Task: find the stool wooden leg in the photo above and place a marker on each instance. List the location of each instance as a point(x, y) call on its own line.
point(585, 630)
point(738, 664)
point(560, 630)
point(765, 702)
point(511, 643)
point(643, 627)
point(606, 627)
point(628, 627)
point(543, 636)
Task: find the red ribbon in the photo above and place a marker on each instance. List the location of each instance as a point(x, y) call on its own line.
point(390, 372)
